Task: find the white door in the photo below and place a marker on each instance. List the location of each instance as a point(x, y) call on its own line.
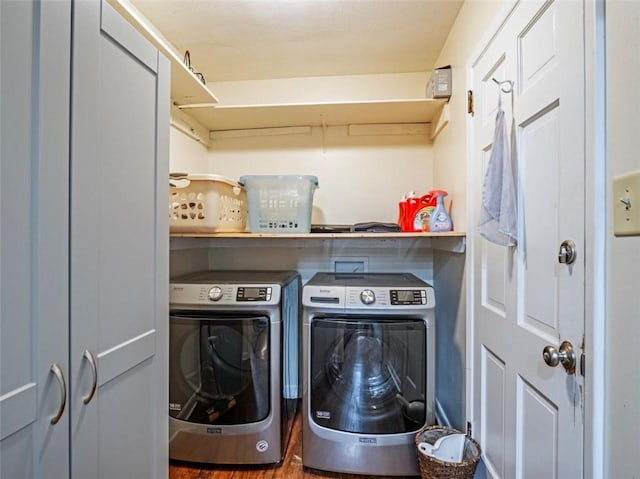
point(119, 249)
point(527, 414)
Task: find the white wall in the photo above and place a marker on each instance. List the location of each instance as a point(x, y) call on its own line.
point(361, 178)
point(312, 255)
point(409, 85)
point(449, 172)
point(622, 418)
point(186, 155)
point(450, 150)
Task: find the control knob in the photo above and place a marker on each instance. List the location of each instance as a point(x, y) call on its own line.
point(215, 293)
point(367, 297)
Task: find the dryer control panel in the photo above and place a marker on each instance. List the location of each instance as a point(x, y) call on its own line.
point(184, 294)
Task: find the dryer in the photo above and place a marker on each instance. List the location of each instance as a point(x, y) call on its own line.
point(233, 365)
point(368, 371)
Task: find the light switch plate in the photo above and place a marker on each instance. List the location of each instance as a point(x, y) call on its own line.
point(626, 204)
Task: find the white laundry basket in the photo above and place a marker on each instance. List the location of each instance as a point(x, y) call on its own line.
point(280, 203)
point(206, 203)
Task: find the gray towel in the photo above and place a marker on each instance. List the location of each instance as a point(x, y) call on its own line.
point(499, 216)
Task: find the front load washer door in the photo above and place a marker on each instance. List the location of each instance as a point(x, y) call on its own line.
point(219, 369)
point(368, 376)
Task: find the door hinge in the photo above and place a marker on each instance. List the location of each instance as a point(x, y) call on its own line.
point(582, 364)
point(468, 428)
point(470, 102)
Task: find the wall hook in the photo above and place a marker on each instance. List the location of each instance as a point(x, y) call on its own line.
point(505, 89)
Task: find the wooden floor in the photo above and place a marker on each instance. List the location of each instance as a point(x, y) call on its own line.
point(291, 467)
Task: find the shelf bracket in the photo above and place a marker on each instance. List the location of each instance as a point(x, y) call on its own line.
point(189, 126)
point(324, 134)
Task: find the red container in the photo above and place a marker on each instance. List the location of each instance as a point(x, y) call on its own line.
point(411, 205)
point(401, 213)
point(415, 212)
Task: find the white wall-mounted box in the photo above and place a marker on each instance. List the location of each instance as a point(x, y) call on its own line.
point(439, 85)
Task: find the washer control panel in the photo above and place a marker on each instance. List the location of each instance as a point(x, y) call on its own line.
point(337, 297)
point(223, 294)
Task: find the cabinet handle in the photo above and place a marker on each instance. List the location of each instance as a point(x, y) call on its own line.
point(94, 371)
point(57, 372)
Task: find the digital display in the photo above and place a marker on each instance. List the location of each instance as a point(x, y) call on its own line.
point(251, 292)
point(408, 297)
point(404, 295)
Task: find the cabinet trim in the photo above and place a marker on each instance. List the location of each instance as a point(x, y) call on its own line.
point(119, 359)
point(127, 37)
point(17, 409)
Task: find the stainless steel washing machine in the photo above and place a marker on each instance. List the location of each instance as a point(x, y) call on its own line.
point(233, 365)
point(368, 371)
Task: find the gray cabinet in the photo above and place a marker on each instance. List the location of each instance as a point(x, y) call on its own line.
point(84, 244)
point(34, 165)
point(118, 248)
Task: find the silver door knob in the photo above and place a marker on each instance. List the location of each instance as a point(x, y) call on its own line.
point(567, 253)
point(565, 355)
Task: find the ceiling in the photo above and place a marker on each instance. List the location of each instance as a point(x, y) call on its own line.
point(232, 40)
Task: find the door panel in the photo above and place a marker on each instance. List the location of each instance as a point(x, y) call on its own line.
point(34, 132)
point(115, 361)
point(537, 422)
point(538, 157)
point(493, 281)
point(119, 248)
point(125, 435)
point(538, 46)
point(493, 387)
point(18, 83)
point(529, 414)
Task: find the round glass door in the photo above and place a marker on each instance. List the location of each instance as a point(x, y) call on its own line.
point(368, 376)
point(219, 369)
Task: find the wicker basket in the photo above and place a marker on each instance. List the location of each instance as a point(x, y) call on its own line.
point(432, 468)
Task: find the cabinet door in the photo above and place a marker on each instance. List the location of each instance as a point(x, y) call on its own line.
point(119, 249)
point(34, 153)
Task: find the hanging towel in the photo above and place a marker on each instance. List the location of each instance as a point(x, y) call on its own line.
point(498, 216)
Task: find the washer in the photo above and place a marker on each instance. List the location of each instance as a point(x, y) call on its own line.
point(368, 371)
point(233, 365)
